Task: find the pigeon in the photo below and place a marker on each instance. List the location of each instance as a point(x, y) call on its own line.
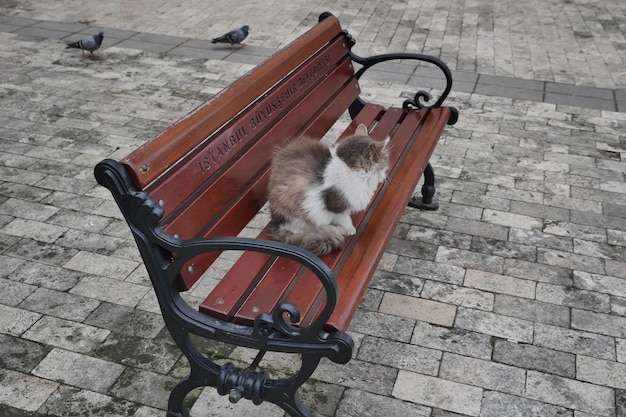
point(90, 43)
point(234, 37)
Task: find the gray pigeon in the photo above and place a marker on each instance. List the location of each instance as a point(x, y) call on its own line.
point(234, 37)
point(90, 43)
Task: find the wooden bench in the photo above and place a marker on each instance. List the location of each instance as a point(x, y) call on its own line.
point(189, 193)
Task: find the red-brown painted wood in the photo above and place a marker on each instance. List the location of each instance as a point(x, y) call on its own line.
point(236, 283)
point(150, 161)
point(331, 70)
point(243, 206)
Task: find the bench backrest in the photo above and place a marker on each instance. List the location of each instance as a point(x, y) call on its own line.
point(209, 171)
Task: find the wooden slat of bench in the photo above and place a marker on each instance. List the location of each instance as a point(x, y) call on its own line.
point(249, 131)
point(250, 309)
point(172, 145)
point(231, 292)
point(241, 209)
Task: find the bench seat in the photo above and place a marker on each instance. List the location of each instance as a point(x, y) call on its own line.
point(188, 194)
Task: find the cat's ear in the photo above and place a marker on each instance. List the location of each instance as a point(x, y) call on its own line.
point(361, 130)
point(379, 146)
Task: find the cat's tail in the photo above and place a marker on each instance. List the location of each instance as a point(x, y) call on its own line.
point(322, 241)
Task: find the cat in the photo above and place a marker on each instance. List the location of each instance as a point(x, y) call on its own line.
point(314, 187)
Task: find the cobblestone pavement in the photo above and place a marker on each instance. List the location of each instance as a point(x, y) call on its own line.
point(579, 42)
point(508, 301)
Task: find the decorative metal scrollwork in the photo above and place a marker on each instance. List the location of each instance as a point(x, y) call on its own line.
point(265, 322)
point(416, 102)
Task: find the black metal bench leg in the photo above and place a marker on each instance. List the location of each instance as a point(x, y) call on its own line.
point(284, 393)
point(176, 405)
point(203, 372)
point(428, 191)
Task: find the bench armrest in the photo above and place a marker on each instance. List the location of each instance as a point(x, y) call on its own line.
point(186, 250)
point(272, 330)
point(369, 62)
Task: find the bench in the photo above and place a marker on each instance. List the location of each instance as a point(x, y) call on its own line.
point(189, 193)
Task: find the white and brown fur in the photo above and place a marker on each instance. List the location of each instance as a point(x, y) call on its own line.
point(314, 188)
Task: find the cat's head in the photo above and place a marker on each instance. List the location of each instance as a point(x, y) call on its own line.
point(361, 152)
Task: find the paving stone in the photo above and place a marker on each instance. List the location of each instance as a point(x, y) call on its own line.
point(503, 249)
point(41, 33)
point(66, 334)
point(571, 297)
point(477, 228)
point(42, 252)
point(468, 259)
point(517, 93)
point(400, 355)
point(532, 310)
point(73, 402)
point(439, 237)
point(397, 283)
point(620, 402)
point(357, 403)
point(425, 251)
point(27, 210)
point(512, 220)
point(78, 370)
point(454, 340)
point(617, 269)
point(575, 341)
point(396, 326)
point(456, 295)
point(557, 275)
point(540, 239)
point(100, 265)
point(418, 309)
point(24, 392)
point(495, 324)
point(60, 304)
point(209, 402)
point(34, 230)
point(155, 356)
point(580, 396)
point(496, 404)
point(19, 354)
point(12, 293)
point(374, 378)
point(15, 321)
point(80, 221)
point(440, 393)
point(536, 358)
point(430, 270)
point(601, 372)
point(599, 323)
point(8, 265)
point(483, 373)
point(127, 321)
point(46, 276)
point(442, 413)
point(93, 242)
point(499, 284)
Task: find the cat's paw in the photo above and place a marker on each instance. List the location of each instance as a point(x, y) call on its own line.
point(350, 230)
